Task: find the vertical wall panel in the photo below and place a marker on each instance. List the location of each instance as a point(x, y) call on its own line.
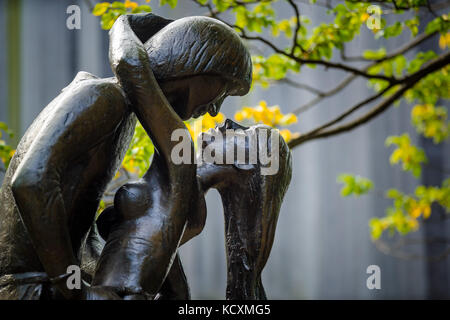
point(3, 64)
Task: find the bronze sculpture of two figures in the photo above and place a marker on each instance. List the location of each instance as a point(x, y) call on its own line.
point(165, 72)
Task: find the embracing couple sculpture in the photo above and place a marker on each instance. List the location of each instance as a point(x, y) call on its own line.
point(166, 72)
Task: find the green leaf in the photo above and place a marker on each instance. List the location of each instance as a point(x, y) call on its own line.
point(420, 59)
point(375, 55)
point(409, 155)
point(413, 25)
point(142, 8)
point(356, 185)
point(221, 5)
point(6, 151)
point(393, 30)
point(400, 64)
point(118, 5)
point(108, 20)
point(440, 24)
point(100, 8)
point(171, 3)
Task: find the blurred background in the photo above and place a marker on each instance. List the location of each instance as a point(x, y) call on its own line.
point(322, 246)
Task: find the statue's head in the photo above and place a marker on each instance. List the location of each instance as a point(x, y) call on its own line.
point(257, 155)
point(252, 191)
point(198, 61)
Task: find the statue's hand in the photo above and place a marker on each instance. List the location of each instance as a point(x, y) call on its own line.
point(129, 60)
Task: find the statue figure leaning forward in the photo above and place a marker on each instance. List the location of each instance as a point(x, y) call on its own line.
point(165, 72)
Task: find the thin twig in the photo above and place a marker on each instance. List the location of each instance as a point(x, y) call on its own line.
point(295, 43)
point(302, 86)
point(347, 81)
point(327, 64)
point(324, 95)
point(402, 50)
point(407, 83)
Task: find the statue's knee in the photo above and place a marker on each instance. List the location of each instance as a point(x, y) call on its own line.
point(132, 200)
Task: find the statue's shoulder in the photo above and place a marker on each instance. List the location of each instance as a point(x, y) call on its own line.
point(86, 79)
point(81, 76)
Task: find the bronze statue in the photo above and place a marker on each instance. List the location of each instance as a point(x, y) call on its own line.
point(63, 163)
point(251, 204)
point(166, 71)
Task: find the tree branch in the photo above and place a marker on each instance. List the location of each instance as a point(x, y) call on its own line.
point(350, 111)
point(423, 37)
point(295, 43)
point(301, 86)
point(404, 83)
point(407, 83)
point(402, 50)
point(324, 95)
point(428, 6)
point(327, 64)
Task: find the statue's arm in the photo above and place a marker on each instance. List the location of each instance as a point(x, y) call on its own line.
point(175, 286)
point(130, 63)
point(65, 132)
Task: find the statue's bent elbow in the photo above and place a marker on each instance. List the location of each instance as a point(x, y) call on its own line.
point(25, 184)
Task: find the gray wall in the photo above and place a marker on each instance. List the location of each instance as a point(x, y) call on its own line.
point(322, 246)
point(3, 85)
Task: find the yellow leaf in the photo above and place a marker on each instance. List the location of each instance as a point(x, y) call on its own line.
point(417, 111)
point(413, 224)
point(430, 131)
point(415, 213)
point(131, 4)
point(286, 134)
point(396, 156)
point(289, 119)
point(364, 17)
point(219, 118)
point(442, 42)
point(238, 116)
point(426, 212)
point(263, 104)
